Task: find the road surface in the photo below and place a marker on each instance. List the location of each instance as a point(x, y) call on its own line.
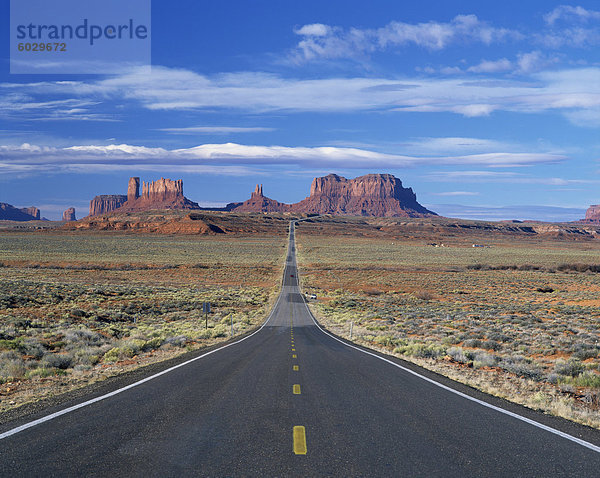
point(291, 400)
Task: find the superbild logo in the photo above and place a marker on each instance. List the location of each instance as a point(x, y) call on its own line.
point(71, 36)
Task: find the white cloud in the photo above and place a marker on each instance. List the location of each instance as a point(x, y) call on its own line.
point(475, 176)
point(567, 91)
point(571, 13)
point(327, 42)
point(453, 145)
point(215, 130)
point(227, 158)
point(314, 29)
point(533, 61)
point(487, 66)
point(456, 193)
point(571, 33)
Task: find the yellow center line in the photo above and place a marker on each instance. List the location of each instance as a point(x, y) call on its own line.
point(299, 440)
point(293, 350)
point(294, 356)
point(296, 368)
point(296, 389)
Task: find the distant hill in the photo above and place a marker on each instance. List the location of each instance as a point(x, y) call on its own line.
point(11, 213)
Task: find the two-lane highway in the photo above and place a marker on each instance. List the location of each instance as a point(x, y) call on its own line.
point(290, 400)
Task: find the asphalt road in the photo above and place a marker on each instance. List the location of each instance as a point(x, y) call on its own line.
point(239, 411)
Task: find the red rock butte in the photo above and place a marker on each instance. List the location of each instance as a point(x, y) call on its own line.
point(161, 194)
point(372, 195)
point(11, 213)
point(593, 213)
point(69, 215)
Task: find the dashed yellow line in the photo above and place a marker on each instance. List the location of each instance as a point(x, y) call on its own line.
point(296, 389)
point(294, 356)
point(299, 440)
point(296, 368)
point(293, 350)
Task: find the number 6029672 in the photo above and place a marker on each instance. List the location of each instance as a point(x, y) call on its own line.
point(42, 47)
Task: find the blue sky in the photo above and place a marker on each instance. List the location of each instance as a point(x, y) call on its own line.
point(478, 106)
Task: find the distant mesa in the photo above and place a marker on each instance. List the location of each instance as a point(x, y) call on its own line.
point(380, 195)
point(593, 214)
point(161, 194)
point(69, 215)
point(106, 203)
point(11, 213)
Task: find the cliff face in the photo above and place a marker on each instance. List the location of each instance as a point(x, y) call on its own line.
point(69, 215)
point(260, 203)
point(33, 212)
point(133, 189)
point(106, 203)
point(161, 194)
point(379, 195)
point(11, 213)
point(593, 213)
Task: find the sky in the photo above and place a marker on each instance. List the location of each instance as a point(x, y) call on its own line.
point(488, 110)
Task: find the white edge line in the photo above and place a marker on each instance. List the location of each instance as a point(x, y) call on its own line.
point(54, 415)
point(579, 441)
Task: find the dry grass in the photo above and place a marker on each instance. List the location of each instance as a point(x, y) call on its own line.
point(518, 319)
point(75, 309)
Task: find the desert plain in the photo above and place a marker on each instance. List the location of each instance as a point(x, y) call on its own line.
point(508, 308)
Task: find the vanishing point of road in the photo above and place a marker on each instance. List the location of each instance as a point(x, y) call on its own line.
point(292, 400)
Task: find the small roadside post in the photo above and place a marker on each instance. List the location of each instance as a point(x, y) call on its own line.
point(351, 325)
point(206, 310)
point(231, 319)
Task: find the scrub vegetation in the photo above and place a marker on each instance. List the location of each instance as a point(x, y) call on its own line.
point(78, 308)
point(518, 318)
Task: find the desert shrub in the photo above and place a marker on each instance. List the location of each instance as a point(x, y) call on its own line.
point(483, 359)
point(472, 343)
point(423, 295)
point(112, 355)
point(78, 313)
point(152, 344)
point(421, 350)
point(570, 368)
point(584, 351)
point(521, 366)
point(60, 361)
point(585, 379)
point(181, 340)
point(491, 345)
point(89, 355)
point(83, 336)
point(33, 347)
point(457, 354)
point(451, 340)
point(12, 366)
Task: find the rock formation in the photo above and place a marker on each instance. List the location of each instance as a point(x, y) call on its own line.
point(260, 203)
point(133, 189)
point(106, 203)
point(69, 215)
point(379, 195)
point(161, 194)
point(593, 213)
point(11, 213)
point(33, 212)
point(371, 195)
